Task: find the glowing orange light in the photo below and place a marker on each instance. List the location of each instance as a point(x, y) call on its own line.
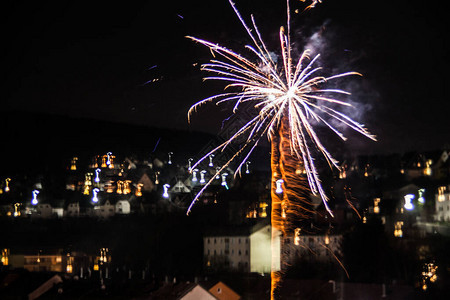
point(139, 190)
point(7, 180)
point(398, 232)
point(73, 164)
point(376, 208)
point(120, 185)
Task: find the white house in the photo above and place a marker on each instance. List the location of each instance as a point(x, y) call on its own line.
point(246, 252)
point(123, 207)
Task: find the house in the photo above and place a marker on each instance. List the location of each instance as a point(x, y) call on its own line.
point(123, 207)
point(73, 209)
point(222, 292)
point(245, 250)
point(105, 210)
point(182, 291)
point(44, 210)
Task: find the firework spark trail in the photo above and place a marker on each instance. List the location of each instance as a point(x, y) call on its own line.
point(277, 92)
point(286, 97)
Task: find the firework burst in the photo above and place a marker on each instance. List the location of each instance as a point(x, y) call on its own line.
point(290, 92)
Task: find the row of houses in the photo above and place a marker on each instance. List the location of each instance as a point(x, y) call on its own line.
point(256, 249)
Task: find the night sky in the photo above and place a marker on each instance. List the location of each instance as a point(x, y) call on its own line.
point(130, 62)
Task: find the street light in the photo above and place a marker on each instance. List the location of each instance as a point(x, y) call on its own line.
point(7, 180)
point(34, 201)
point(202, 177)
point(224, 180)
point(194, 175)
point(247, 170)
point(97, 175)
point(421, 197)
point(166, 188)
point(94, 195)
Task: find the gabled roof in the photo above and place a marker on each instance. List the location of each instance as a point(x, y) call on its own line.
point(180, 187)
point(182, 290)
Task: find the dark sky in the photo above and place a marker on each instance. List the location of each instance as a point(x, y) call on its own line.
point(130, 62)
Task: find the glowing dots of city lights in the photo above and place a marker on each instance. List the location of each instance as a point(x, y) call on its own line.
point(73, 164)
point(376, 207)
point(218, 172)
point(427, 170)
point(5, 256)
point(421, 199)
point(126, 187)
point(69, 262)
point(408, 202)
point(327, 239)
point(202, 177)
point(7, 180)
point(342, 172)
point(166, 191)
point(429, 274)
point(247, 170)
point(441, 193)
point(17, 209)
point(398, 232)
point(119, 189)
point(224, 180)
point(283, 209)
point(297, 236)
point(108, 159)
point(138, 192)
point(263, 207)
point(94, 195)
point(97, 175)
point(157, 177)
point(190, 160)
point(211, 156)
point(194, 175)
point(87, 183)
point(279, 186)
point(366, 171)
point(169, 162)
point(34, 200)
